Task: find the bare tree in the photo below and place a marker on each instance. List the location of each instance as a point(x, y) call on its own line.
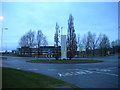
point(87, 38)
point(79, 45)
point(71, 38)
point(27, 40)
point(56, 40)
point(31, 38)
point(23, 41)
point(93, 42)
point(78, 39)
point(115, 43)
point(115, 46)
point(84, 41)
point(104, 44)
point(90, 41)
point(41, 40)
point(44, 41)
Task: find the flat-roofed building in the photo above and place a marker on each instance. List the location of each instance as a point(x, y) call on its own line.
point(44, 51)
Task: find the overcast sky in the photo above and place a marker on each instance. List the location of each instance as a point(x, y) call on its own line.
point(20, 17)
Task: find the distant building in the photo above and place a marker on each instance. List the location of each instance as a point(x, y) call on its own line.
point(45, 51)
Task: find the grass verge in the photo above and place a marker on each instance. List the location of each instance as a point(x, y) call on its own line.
point(13, 78)
point(64, 61)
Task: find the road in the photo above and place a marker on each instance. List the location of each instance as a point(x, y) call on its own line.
point(90, 75)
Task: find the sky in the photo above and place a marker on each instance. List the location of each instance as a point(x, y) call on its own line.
point(20, 17)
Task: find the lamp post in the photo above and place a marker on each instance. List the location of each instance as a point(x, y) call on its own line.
point(1, 19)
point(2, 38)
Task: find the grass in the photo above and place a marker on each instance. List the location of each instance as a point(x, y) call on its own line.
point(65, 61)
point(3, 58)
point(13, 78)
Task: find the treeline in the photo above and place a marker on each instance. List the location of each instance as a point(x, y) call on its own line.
point(31, 40)
point(100, 45)
point(71, 39)
point(94, 45)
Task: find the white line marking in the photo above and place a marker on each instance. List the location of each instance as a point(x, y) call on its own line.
point(17, 68)
point(74, 73)
point(73, 69)
point(108, 74)
point(68, 74)
point(59, 74)
point(33, 69)
point(81, 72)
point(51, 69)
point(88, 71)
point(104, 70)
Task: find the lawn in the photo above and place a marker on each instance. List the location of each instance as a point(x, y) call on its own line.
point(13, 78)
point(65, 61)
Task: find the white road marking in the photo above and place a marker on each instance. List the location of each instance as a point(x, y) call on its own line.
point(81, 72)
point(33, 69)
point(17, 68)
point(75, 73)
point(68, 74)
point(88, 71)
point(104, 70)
point(73, 69)
point(108, 74)
point(51, 69)
point(65, 74)
point(60, 74)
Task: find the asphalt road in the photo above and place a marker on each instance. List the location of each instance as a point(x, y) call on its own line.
point(90, 75)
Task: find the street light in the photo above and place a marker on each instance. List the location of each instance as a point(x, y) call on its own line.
point(2, 37)
point(1, 19)
point(5, 41)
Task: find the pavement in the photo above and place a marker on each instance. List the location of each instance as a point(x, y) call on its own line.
point(89, 75)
